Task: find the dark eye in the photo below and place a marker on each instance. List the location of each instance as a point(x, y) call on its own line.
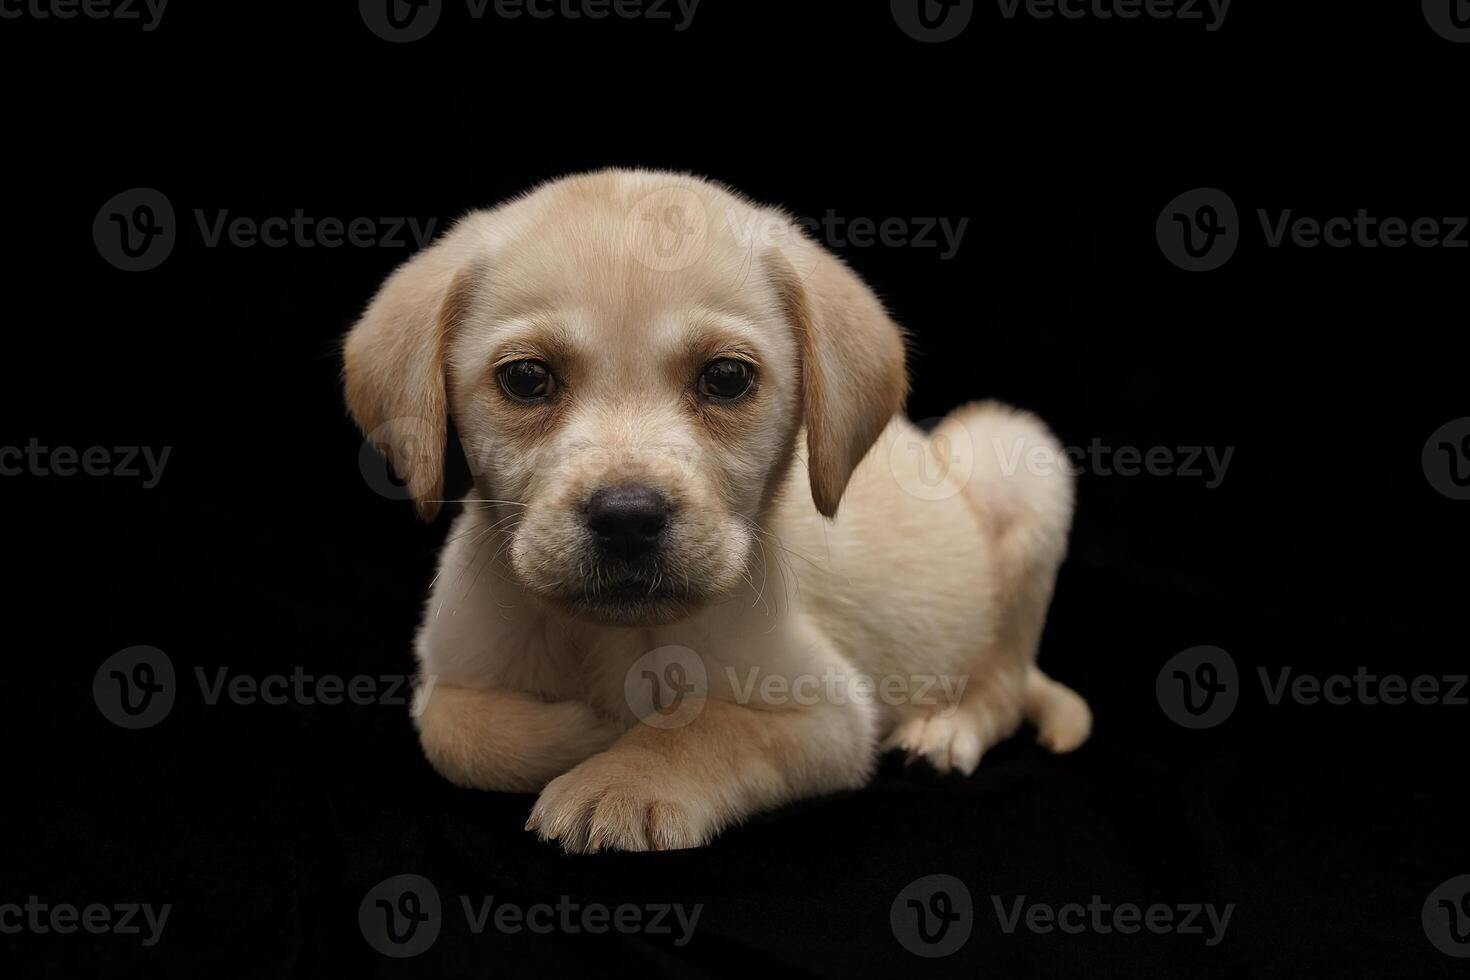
point(726, 379)
point(527, 380)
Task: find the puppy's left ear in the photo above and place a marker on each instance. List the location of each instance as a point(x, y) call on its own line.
point(853, 374)
point(394, 360)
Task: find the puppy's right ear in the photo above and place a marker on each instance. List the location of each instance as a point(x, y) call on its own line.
point(394, 360)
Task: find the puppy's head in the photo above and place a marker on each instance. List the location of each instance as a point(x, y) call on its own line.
point(628, 358)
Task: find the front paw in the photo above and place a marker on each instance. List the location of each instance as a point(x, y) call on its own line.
point(621, 801)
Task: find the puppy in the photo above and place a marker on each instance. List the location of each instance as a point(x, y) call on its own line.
point(708, 568)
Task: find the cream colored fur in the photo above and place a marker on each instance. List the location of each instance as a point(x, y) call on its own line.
point(820, 542)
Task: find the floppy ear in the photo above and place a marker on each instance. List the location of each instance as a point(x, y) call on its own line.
point(852, 353)
point(394, 362)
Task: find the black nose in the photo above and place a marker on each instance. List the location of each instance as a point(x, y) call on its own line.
point(628, 520)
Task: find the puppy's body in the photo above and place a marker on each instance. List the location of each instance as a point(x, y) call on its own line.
point(910, 615)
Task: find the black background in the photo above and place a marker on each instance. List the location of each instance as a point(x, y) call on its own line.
point(264, 550)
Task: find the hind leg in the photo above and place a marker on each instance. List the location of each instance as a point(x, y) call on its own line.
point(953, 738)
point(1020, 491)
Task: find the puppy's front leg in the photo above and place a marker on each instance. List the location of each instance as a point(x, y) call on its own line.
point(668, 788)
point(506, 740)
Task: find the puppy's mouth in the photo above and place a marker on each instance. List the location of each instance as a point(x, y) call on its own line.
point(638, 598)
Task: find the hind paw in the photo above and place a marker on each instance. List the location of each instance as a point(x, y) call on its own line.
point(1065, 731)
point(948, 743)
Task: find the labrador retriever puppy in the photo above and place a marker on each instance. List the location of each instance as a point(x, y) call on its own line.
point(707, 568)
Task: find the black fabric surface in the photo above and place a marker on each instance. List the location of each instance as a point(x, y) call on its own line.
point(263, 551)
